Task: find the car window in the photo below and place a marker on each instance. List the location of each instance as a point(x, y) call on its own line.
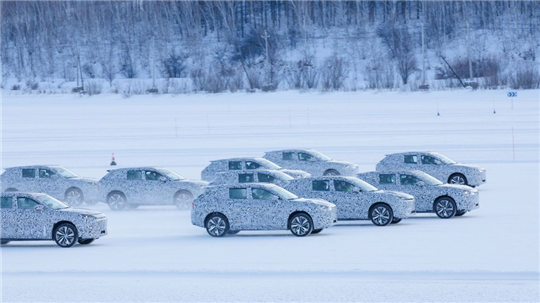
point(343, 186)
point(152, 175)
point(237, 193)
point(408, 180)
point(387, 179)
point(265, 178)
point(252, 165)
point(235, 165)
point(134, 175)
point(7, 202)
point(261, 194)
point(26, 203)
point(245, 178)
point(321, 185)
point(288, 156)
point(411, 159)
point(305, 157)
point(429, 160)
point(45, 173)
point(29, 173)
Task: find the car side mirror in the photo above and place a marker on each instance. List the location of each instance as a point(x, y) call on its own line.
point(421, 184)
point(356, 190)
point(38, 207)
point(274, 197)
point(163, 179)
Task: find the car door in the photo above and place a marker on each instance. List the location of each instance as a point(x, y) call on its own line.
point(387, 182)
point(157, 188)
point(31, 223)
point(264, 211)
point(240, 216)
point(134, 186)
point(47, 181)
point(428, 163)
point(289, 160)
point(409, 185)
point(7, 213)
point(410, 162)
point(305, 161)
point(28, 180)
point(348, 199)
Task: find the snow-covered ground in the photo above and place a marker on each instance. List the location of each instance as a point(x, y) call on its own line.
point(155, 254)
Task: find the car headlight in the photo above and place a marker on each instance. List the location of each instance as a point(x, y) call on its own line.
point(86, 217)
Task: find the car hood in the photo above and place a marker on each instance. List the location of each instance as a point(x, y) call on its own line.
point(195, 182)
point(83, 211)
point(343, 163)
point(296, 173)
point(469, 166)
point(456, 187)
point(314, 201)
point(84, 179)
point(395, 194)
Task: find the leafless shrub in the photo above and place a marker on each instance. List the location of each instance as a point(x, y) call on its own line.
point(333, 73)
point(302, 74)
point(94, 87)
point(379, 75)
point(32, 85)
point(525, 77)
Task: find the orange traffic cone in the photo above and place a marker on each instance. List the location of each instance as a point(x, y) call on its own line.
point(113, 163)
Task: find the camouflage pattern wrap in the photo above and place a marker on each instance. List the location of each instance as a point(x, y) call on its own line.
point(355, 202)
point(434, 164)
point(257, 214)
point(53, 180)
point(19, 223)
point(246, 163)
point(148, 185)
point(312, 162)
point(425, 192)
point(276, 177)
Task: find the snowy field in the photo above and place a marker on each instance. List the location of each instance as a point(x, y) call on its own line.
point(155, 254)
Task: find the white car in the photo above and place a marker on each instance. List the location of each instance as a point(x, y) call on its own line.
point(276, 177)
point(228, 209)
point(53, 180)
point(312, 162)
point(356, 199)
point(431, 195)
point(36, 216)
point(436, 165)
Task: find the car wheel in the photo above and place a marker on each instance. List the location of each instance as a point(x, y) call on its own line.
point(396, 220)
point(117, 201)
point(74, 197)
point(65, 235)
point(460, 213)
point(381, 214)
point(331, 172)
point(183, 199)
point(86, 241)
point(457, 179)
point(301, 225)
point(4, 242)
point(445, 207)
point(233, 232)
point(316, 231)
point(217, 225)
point(11, 190)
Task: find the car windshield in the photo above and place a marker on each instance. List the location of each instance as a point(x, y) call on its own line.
point(51, 202)
point(428, 178)
point(172, 175)
point(444, 159)
point(319, 156)
point(364, 186)
point(283, 193)
point(268, 164)
point(64, 172)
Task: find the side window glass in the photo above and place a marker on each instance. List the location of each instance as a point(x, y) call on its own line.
point(252, 165)
point(266, 178)
point(152, 175)
point(323, 185)
point(134, 175)
point(25, 203)
point(288, 156)
point(6, 202)
point(411, 159)
point(235, 165)
point(237, 193)
point(305, 157)
point(245, 178)
point(387, 179)
point(45, 173)
point(408, 180)
point(429, 160)
point(343, 186)
point(261, 194)
point(29, 173)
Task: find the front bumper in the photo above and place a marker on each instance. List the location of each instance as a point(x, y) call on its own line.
point(95, 229)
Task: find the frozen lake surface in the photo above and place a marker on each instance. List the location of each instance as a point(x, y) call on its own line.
point(155, 254)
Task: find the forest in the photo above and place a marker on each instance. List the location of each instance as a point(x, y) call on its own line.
point(138, 47)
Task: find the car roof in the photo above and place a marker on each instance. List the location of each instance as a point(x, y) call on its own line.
point(291, 150)
point(138, 167)
point(33, 166)
point(413, 152)
point(240, 158)
point(328, 178)
point(397, 171)
point(245, 185)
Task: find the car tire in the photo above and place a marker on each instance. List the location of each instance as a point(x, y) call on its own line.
point(217, 225)
point(445, 207)
point(11, 190)
point(74, 197)
point(117, 201)
point(301, 224)
point(460, 213)
point(65, 235)
point(183, 199)
point(396, 220)
point(458, 179)
point(316, 231)
point(381, 214)
point(85, 241)
point(233, 232)
point(331, 172)
point(4, 242)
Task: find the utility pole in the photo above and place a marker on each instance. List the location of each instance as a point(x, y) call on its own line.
point(423, 59)
point(269, 76)
point(469, 52)
point(153, 62)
